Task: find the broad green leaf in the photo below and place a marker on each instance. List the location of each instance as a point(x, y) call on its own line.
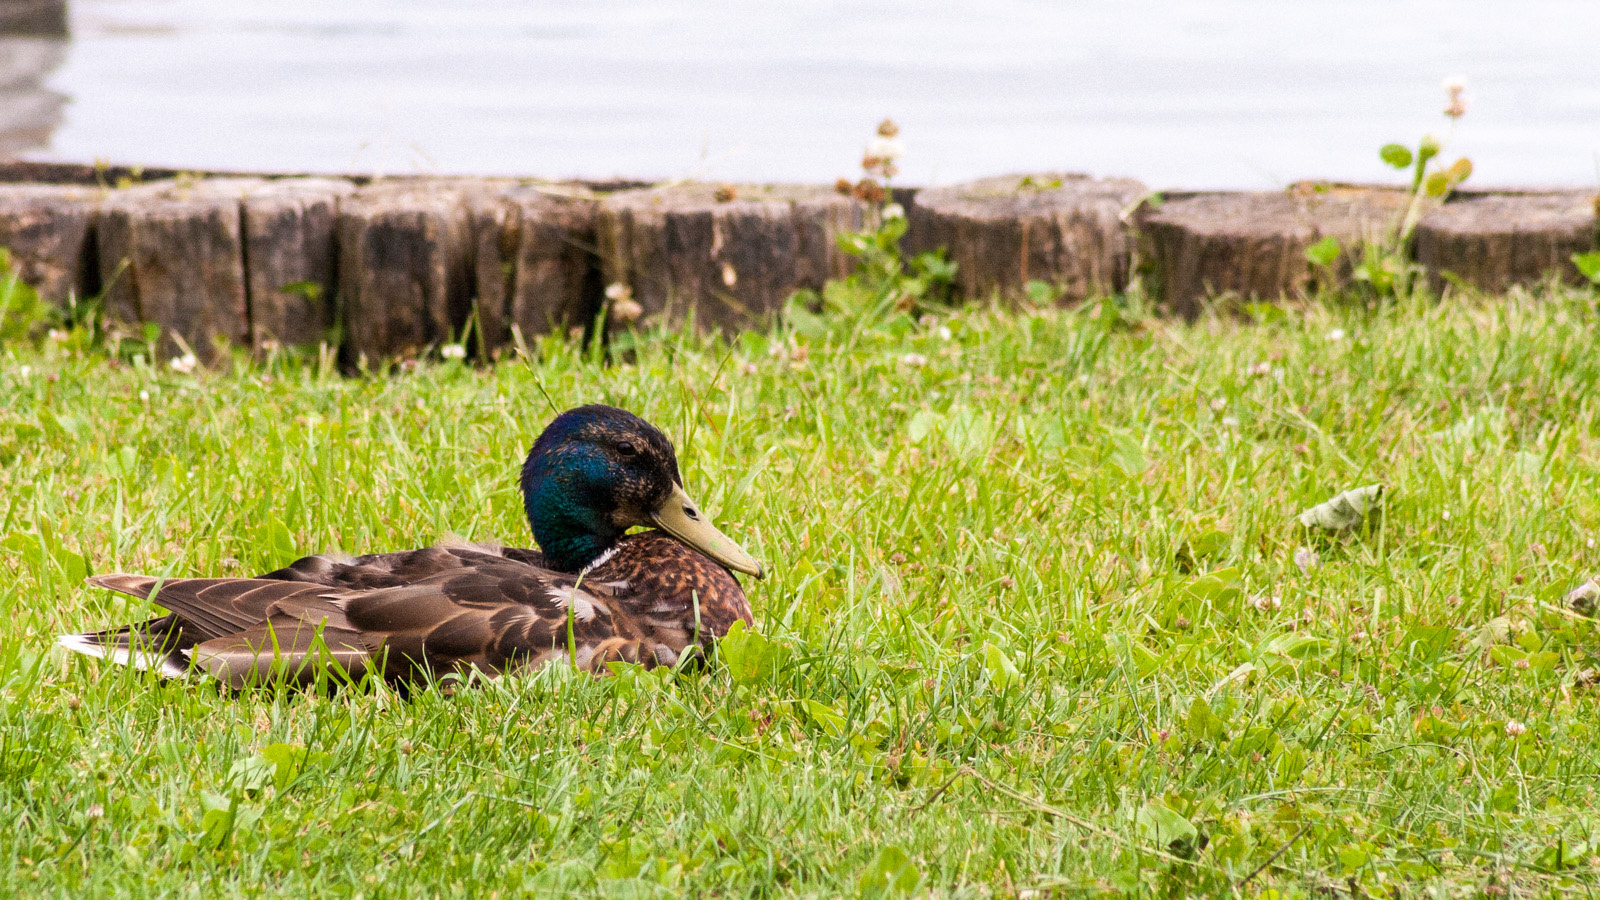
point(1324, 252)
point(1128, 455)
point(1161, 825)
point(1216, 585)
point(826, 717)
point(1397, 155)
point(1002, 671)
point(1203, 724)
point(1437, 184)
point(1295, 645)
point(921, 424)
point(1144, 659)
point(1346, 511)
point(1588, 264)
point(1040, 293)
point(251, 775)
point(275, 537)
point(969, 434)
point(1562, 855)
point(749, 655)
point(1507, 655)
point(890, 874)
point(289, 761)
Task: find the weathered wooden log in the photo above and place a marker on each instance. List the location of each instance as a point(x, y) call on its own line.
point(48, 229)
point(536, 267)
point(404, 268)
point(1003, 232)
point(291, 258)
point(34, 18)
point(1254, 244)
point(172, 253)
point(725, 256)
point(1498, 240)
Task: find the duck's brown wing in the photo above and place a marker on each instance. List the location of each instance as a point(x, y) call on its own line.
point(213, 620)
point(493, 615)
point(378, 570)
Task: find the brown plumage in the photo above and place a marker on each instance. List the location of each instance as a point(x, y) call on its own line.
point(646, 598)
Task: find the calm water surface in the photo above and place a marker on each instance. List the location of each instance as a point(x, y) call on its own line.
point(1207, 93)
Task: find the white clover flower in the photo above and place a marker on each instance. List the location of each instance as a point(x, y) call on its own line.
point(1515, 728)
point(894, 211)
point(184, 363)
point(1307, 559)
point(1266, 604)
point(1336, 335)
point(453, 351)
point(616, 290)
point(145, 396)
point(25, 371)
point(945, 333)
point(914, 360)
point(886, 148)
point(57, 335)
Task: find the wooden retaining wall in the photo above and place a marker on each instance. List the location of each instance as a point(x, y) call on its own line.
point(404, 265)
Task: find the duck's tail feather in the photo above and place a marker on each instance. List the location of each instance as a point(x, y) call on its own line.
point(152, 646)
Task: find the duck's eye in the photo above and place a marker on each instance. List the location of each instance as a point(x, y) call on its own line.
point(626, 448)
point(690, 512)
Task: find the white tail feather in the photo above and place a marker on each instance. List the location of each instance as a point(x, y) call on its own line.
point(141, 660)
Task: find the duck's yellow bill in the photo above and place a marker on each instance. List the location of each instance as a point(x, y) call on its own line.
point(681, 517)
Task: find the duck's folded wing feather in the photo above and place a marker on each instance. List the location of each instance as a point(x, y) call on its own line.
point(288, 645)
point(490, 617)
point(210, 607)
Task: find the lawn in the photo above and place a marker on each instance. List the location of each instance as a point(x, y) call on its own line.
point(1040, 619)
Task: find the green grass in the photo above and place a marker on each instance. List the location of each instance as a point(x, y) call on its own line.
point(1035, 621)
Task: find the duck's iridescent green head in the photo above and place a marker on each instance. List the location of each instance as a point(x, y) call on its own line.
point(597, 471)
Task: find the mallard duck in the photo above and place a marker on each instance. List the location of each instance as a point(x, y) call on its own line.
point(592, 594)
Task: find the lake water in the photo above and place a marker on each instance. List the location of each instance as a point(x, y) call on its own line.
point(1207, 93)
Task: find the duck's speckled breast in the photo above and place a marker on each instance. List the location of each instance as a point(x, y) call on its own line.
point(665, 582)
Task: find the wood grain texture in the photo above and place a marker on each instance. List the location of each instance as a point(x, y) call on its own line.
point(535, 260)
point(1003, 232)
point(291, 258)
point(1496, 241)
point(172, 253)
point(1253, 244)
point(728, 263)
point(49, 230)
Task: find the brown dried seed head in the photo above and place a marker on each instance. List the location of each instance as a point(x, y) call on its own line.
point(887, 128)
point(726, 193)
point(843, 186)
point(869, 190)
